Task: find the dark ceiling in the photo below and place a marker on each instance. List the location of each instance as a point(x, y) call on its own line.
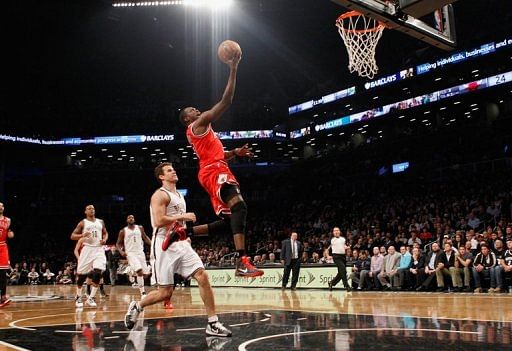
point(84, 57)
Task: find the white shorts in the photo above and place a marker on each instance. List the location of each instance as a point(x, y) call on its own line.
point(137, 260)
point(91, 257)
point(178, 258)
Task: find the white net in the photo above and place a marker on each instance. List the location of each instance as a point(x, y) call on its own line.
point(360, 35)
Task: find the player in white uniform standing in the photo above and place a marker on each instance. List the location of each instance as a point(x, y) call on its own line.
point(92, 261)
point(168, 207)
point(130, 243)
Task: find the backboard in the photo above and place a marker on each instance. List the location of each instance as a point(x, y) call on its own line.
point(431, 21)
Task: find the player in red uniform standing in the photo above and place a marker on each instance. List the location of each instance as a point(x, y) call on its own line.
point(215, 175)
point(5, 232)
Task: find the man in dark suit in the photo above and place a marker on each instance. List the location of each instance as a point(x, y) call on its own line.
point(291, 251)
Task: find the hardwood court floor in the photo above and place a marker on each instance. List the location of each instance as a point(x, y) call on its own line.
point(44, 317)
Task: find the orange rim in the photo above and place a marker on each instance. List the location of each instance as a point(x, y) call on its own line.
point(349, 14)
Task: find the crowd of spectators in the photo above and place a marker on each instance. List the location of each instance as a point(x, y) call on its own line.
point(445, 195)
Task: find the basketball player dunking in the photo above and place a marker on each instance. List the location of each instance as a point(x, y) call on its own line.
point(130, 243)
point(215, 175)
point(5, 232)
point(92, 261)
point(168, 207)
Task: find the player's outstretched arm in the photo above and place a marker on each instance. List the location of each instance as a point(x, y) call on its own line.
point(244, 151)
point(219, 108)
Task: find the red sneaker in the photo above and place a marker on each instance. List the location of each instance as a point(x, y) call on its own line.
point(4, 303)
point(175, 232)
point(244, 268)
point(168, 305)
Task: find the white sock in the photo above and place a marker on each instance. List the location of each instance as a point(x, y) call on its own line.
point(79, 291)
point(94, 289)
point(140, 283)
point(213, 319)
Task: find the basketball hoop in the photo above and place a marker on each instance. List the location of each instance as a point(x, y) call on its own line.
point(360, 35)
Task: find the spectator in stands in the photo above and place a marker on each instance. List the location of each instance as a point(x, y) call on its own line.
point(271, 259)
point(403, 266)
point(376, 264)
point(506, 264)
point(24, 274)
point(473, 242)
point(429, 273)
point(458, 240)
point(315, 258)
point(415, 272)
point(383, 251)
point(14, 277)
point(483, 263)
point(48, 277)
point(445, 266)
point(326, 258)
point(414, 239)
point(425, 236)
point(33, 277)
point(64, 277)
point(473, 221)
point(499, 252)
point(463, 264)
point(360, 270)
point(388, 277)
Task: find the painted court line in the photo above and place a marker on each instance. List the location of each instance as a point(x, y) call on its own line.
point(243, 346)
point(13, 346)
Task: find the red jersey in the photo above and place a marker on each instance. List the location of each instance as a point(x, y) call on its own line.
point(5, 223)
point(207, 146)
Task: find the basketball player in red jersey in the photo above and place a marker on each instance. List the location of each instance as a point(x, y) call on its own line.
point(215, 175)
point(5, 232)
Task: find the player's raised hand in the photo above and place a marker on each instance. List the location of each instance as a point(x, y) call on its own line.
point(244, 151)
point(233, 63)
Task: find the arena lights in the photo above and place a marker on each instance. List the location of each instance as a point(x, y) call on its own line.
point(214, 4)
point(208, 3)
point(146, 3)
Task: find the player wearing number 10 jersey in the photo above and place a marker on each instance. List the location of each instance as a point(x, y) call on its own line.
point(92, 261)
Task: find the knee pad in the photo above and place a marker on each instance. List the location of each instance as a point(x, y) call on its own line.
point(228, 191)
point(81, 279)
point(238, 217)
point(219, 227)
point(96, 276)
point(90, 274)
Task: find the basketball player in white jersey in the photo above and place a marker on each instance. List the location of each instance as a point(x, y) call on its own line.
point(168, 207)
point(130, 243)
point(92, 261)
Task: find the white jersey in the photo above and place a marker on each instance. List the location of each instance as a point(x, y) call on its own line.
point(176, 206)
point(133, 239)
point(96, 230)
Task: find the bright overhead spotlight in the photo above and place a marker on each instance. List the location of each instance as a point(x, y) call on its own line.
point(213, 4)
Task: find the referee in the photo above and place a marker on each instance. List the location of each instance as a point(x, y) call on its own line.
point(340, 259)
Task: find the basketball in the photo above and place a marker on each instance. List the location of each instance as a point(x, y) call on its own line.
point(228, 49)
